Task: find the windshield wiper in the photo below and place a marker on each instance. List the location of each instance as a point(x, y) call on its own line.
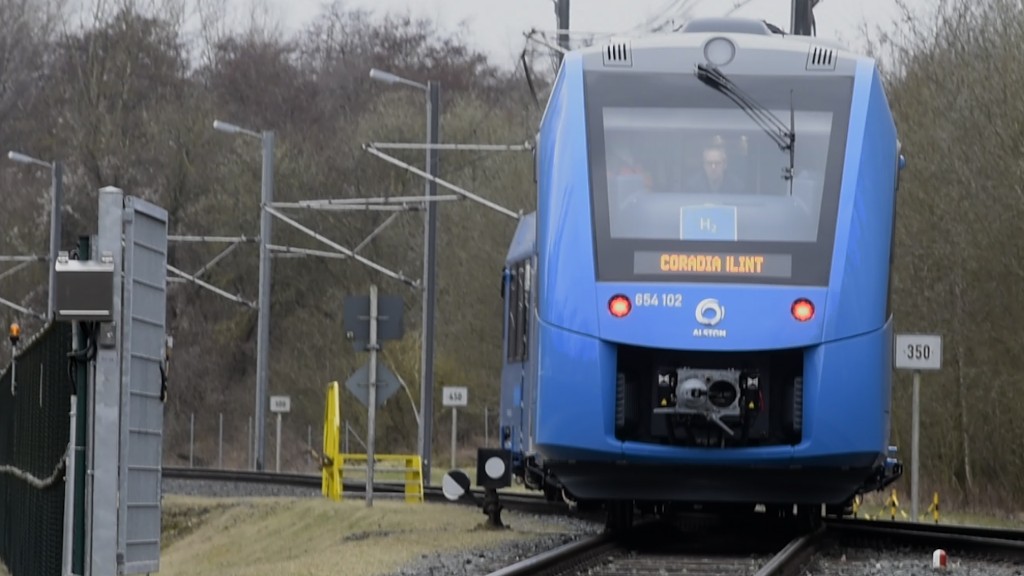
point(784, 136)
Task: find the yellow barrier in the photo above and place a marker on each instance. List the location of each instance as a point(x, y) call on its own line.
point(331, 463)
point(934, 508)
point(892, 504)
point(408, 468)
point(334, 465)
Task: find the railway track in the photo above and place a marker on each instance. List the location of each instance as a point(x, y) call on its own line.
point(529, 503)
point(655, 549)
point(960, 541)
point(693, 545)
point(659, 547)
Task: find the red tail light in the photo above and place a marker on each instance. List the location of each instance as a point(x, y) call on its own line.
point(619, 306)
point(803, 310)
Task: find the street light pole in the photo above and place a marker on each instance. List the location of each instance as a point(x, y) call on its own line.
point(56, 201)
point(263, 314)
point(263, 302)
point(57, 184)
point(429, 275)
point(425, 433)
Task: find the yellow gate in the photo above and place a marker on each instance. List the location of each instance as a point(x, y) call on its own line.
point(387, 468)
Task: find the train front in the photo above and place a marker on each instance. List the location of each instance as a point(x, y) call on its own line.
point(715, 225)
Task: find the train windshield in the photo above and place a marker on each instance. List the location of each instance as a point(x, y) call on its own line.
point(720, 177)
point(682, 175)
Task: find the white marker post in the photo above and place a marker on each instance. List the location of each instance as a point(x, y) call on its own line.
point(279, 405)
point(917, 352)
point(455, 396)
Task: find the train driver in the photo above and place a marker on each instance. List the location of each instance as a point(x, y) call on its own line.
point(715, 177)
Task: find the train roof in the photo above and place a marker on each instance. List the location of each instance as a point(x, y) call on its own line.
point(742, 45)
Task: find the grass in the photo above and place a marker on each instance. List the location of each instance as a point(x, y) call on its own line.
point(287, 537)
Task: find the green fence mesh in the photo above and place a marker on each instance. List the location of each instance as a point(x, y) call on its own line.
point(33, 439)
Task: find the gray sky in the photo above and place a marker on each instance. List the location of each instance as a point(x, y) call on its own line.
point(498, 25)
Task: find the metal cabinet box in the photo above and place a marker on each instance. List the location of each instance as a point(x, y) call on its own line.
point(85, 290)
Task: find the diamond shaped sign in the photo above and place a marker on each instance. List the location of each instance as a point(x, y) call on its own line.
point(359, 384)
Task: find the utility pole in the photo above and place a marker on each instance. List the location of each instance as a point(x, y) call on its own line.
point(56, 201)
point(263, 313)
point(263, 302)
point(562, 13)
point(802, 23)
point(429, 265)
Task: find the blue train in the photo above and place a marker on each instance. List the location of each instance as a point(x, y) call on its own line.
point(699, 311)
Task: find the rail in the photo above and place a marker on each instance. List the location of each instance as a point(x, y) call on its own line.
point(622, 555)
point(530, 503)
point(959, 540)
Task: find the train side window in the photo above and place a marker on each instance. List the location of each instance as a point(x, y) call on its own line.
point(518, 312)
point(524, 308)
point(511, 325)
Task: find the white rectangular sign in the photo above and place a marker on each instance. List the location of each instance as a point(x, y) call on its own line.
point(918, 351)
point(455, 395)
point(280, 403)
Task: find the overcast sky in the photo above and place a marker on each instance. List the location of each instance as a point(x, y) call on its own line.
point(497, 26)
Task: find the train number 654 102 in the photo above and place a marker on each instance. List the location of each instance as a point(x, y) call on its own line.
point(654, 299)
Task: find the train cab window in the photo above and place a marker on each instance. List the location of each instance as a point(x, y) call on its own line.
point(678, 168)
point(662, 162)
point(518, 311)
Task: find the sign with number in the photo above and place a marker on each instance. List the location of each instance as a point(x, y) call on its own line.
point(280, 403)
point(918, 351)
point(455, 395)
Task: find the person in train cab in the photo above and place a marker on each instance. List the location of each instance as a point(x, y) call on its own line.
point(627, 179)
point(624, 168)
point(715, 177)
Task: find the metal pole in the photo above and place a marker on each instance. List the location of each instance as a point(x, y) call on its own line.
point(915, 445)
point(277, 457)
point(191, 438)
point(455, 421)
point(263, 322)
point(220, 440)
point(562, 13)
point(14, 367)
point(309, 443)
point(429, 261)
point(56, 200)
point(249, 442)
point(80, 459)
point(372, 404)
point(69, 495)
point(802, 20)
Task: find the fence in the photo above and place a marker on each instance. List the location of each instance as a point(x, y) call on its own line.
point(212, 442)
point(35, 404)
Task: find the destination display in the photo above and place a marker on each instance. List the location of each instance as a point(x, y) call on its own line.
point(713, 264)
